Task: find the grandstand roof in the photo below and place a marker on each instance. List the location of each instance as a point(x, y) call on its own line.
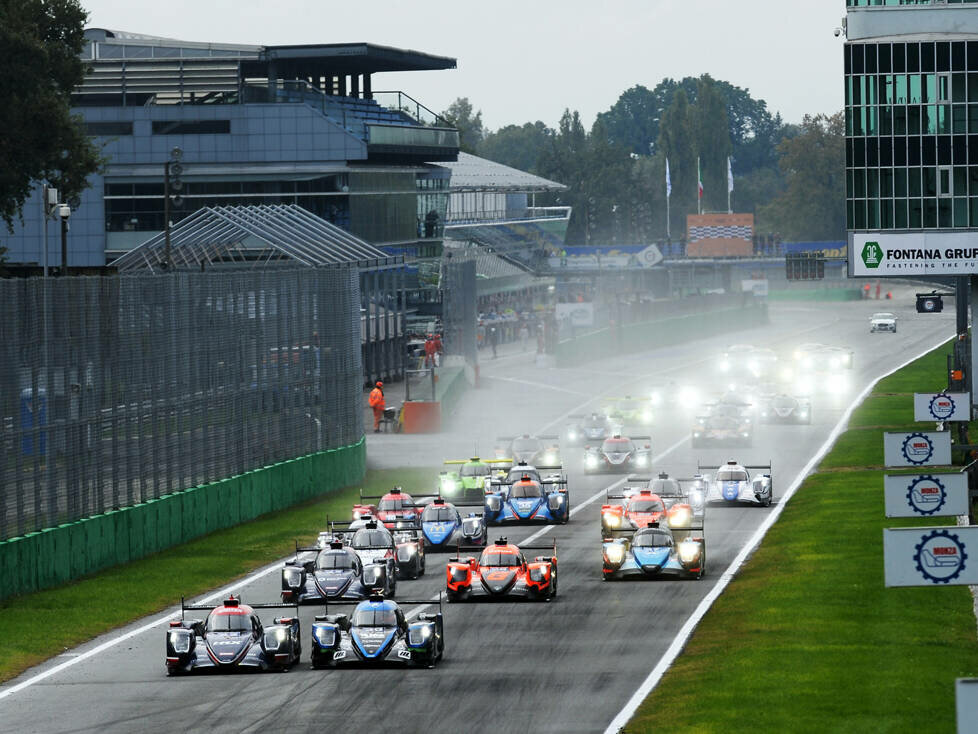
point(357, 58)
point(257, 236)
point(471, 173)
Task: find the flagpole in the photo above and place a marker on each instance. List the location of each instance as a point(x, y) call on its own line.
point(699, 187)
point(668, 198)
point(729, 185)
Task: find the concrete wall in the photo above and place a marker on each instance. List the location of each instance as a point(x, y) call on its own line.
point(54, 556)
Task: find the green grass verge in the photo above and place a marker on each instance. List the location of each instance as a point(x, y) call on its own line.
point(39, 626)
point(807, 638)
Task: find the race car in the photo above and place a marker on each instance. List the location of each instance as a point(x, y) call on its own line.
point(883, 321)
point(396, 505)
point(619, 454)
point(593, 427)
point(629, 411)
point(528, 500)
point(378, 633)
point(471, 479)
point(662, 499)
point(232, 637)
point(529, 449)
point(651, 552)
point(733, 483)
point(733, 362)
point(502, 572)
point(682, 396)
point(443, 527)
point(725, 425)
point(335, 573)
point(401, 549)
point(782, 407)
point(822, 358)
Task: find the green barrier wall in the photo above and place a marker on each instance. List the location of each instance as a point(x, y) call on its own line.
point(651, 334)
point(450, 388)
point(53, 556)
point(820, 294)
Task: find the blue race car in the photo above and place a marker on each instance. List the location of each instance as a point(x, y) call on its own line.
point(652, 552)
point(529, 499)
point(378, 633)
point(444, 528)
point(232, 638)
point(336, 572)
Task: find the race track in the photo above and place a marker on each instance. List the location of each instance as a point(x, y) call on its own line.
point(567, 666)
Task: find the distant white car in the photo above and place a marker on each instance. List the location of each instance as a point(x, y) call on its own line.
point(883, 322)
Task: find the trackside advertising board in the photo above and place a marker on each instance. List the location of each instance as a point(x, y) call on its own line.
point(917, 449)
point(891, 255)
point(966, 693)
point(943, 406)
point(926, 495)
point(931, 556)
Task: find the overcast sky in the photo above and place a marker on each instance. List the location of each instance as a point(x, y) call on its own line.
point(524, 60)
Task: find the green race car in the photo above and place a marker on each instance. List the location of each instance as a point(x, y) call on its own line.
point(471, 479)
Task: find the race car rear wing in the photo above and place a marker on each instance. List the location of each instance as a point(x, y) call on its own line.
point(459, 548)
point(184, 607)
point(379, 597)
point(714, 467)
point(404, 503)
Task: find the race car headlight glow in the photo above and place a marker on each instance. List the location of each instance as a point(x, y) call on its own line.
point(696, 497)
point(611, 520)
point(471, 526)
point(572, 434)
point(325, 636)
point(837, 384)
point(274, 638)
point(293, 577)
point(448, 485)
point(591, 460)
point(180, 641)
point(493, 503)
point(724, 365)
point(417, 636)
point(641, 460)
point(406, 552)
point(372, 575)
point(459, 573)
point(555, 501)
point(689, 551)
point(680, 518)
point(539, 573)
point(550, 458)
point(656, 398)
point(356, 514)
point(614, 554)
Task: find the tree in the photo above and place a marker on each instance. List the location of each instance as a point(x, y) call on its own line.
point(711, 124)
point(40, 46)
point(468, 122)
point(519, 146)
point(677, 143)
point(814, 204)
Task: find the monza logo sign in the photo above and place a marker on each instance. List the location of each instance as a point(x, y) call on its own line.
point(917, 449)
point(943, 407)
point(940, 557)
point(926, 495)
point(929, 556)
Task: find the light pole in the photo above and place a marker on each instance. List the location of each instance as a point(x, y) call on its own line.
point(172, 170)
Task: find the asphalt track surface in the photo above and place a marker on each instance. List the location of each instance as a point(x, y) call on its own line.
point(566, 666)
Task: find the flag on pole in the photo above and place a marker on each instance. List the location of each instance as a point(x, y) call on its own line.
point(668, 180)
point(730, 187)
point(699, 184)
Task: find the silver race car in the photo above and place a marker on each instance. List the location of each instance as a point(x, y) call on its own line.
point(733, 484)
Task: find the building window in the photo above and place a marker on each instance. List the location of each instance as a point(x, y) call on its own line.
point(191, 127)
point(108, 129)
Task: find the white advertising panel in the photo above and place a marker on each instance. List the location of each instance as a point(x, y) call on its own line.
point(892, 255)
point(926, 495)
point(955, 406)
point(917, 449)
point(757, 287)
point(931, 556)
point(966, 693)
point(579, 314)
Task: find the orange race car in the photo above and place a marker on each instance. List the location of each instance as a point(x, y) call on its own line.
point(641, 506)
point(502, 572)
point(396, 505)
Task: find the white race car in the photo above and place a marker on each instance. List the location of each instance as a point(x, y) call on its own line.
point(883, 322)
point(733, 483)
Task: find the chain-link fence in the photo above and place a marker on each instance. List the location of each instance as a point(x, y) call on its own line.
point(117, 390)
point(458, 287)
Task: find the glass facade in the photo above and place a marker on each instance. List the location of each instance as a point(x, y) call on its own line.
point(911, 135)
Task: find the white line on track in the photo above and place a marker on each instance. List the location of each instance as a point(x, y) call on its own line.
point(682, 637)
point(543, 386)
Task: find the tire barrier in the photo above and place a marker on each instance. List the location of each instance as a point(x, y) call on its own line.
point(60, 554)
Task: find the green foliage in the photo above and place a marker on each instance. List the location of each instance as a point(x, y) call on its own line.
point(813, 206)
point(713, 145)
point(468, 122)
point(40, 43)
point(517, 146)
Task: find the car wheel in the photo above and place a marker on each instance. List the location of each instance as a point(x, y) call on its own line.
point(702, 567)
point(452, 596)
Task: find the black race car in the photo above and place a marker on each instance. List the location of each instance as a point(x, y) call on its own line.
point(589, 428)
point(619, 454)
point(401, 549)
point(336, 572)
point(529, 449)
point(232, 637)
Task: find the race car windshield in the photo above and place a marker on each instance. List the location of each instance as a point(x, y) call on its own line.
point(374, 618)
point(500, 559)
point(224, 622)
point(438, 514)
point(518, 473)
point(652, 540)
point(612, 446)
point(332, 560)
point(525, 490)
point(475, 470)
point(665, 486)
point(392, 505)
point(594, 422)
point(732, 475)
point(525, 445)
point(371, 539)
point(646, 506)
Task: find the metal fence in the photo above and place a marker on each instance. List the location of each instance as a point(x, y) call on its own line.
point(458, 287)
point(117, 390)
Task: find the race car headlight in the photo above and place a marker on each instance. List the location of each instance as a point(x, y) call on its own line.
point(493, 503)
point(325, 636)
point(459, 573)
point(356, 514)
point(641, 460)
point(611, 520)
point(696, 497)
point(406, 552)
point(555, 501)
point(372, 575)
point(539, 574)
point(572, 434)
point(274, 638)
point(614, 554)
point(802, 413)
point(471, 526)
point(292, 577)
point(689, 551)
point(448, 485)
point(646, 416)
point(180, 641)
point(419, 635)
point(724, 365)
point(550, 458)
point(680, 518)
point(656, 398)
point(591, 460)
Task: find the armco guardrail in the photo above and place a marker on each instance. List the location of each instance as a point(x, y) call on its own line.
point(638, 337)
point(56, 555)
